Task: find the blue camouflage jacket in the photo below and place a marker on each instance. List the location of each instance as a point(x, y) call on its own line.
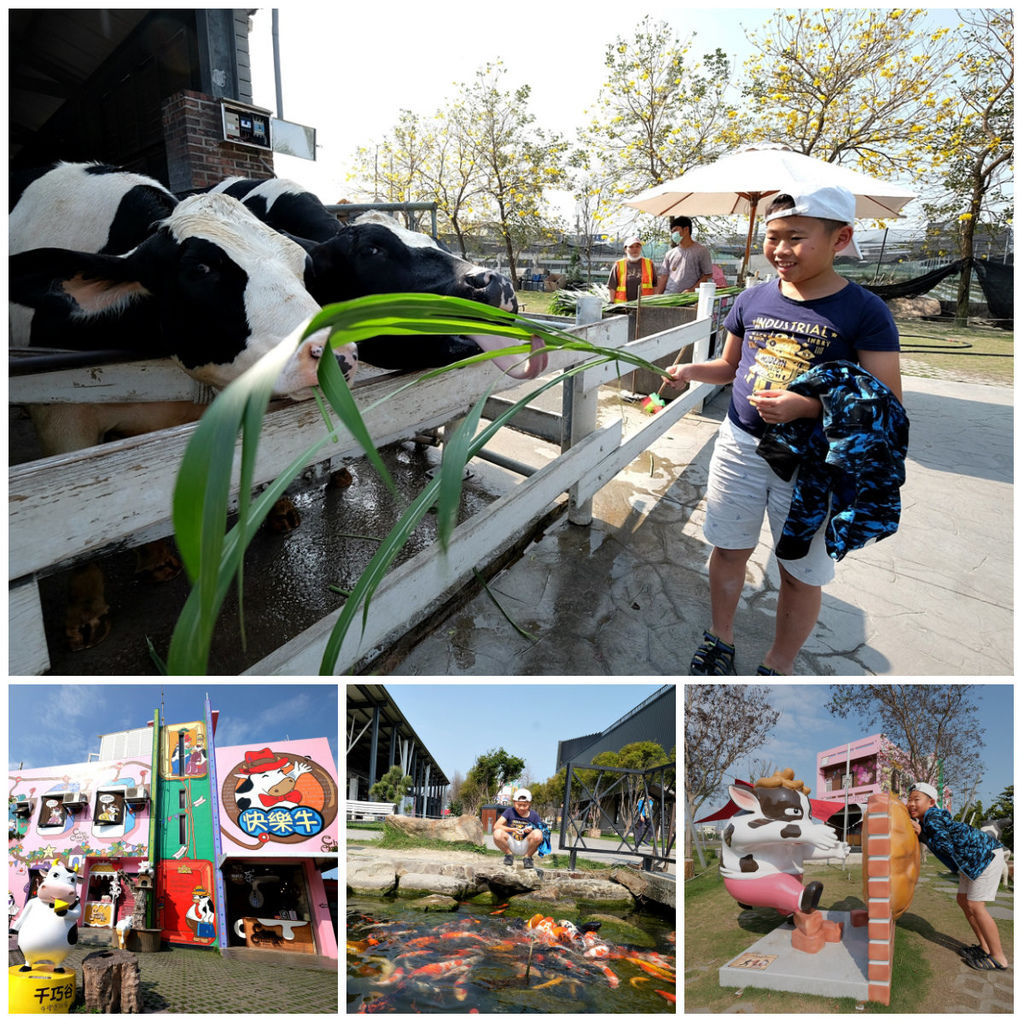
point(851, 461)
point(959, 846)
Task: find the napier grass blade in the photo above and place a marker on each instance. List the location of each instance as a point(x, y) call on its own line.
point(213, 554)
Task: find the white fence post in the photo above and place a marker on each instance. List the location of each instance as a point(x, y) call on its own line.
point(579, 410)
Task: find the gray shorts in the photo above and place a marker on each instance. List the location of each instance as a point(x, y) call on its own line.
point(983, 889)
point(741, 487)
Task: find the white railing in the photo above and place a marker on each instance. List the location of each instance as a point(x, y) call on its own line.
point(68, 508)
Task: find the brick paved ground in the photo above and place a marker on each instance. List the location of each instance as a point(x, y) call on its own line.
point(183, 980)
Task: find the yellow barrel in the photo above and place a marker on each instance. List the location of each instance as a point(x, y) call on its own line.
point(39, 991)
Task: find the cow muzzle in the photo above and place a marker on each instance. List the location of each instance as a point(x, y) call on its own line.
point(490, 288)
point(300, 374)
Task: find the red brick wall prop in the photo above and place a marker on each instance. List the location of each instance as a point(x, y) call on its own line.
point(197, 154)
point(891, 864)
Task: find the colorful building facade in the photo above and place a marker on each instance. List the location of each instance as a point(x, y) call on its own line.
point(231, 842)
point(96, 818)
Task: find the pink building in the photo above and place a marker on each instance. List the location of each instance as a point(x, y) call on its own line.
point(874, 765)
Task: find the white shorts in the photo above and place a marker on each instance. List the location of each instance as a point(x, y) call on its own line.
point(741, 486)
point(518, 847)
point(983, 889)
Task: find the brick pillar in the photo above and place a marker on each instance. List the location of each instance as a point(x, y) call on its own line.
point(878, 882)
point(197, 154)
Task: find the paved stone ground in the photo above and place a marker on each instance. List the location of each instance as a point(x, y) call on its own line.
point(184, 980)
point(980, 991)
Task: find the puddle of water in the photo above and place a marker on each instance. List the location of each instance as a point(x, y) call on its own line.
point(475, 961)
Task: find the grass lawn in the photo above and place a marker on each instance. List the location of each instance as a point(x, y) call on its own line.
point(928, 938)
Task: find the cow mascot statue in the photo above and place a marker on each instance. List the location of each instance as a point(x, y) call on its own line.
point(763, 851)
point(48, 926)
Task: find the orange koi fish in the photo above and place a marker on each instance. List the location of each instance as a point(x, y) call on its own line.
point(671, 998)
point(612, 977)
point(657, 972)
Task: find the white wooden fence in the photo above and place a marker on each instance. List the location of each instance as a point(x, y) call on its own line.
point(67, 508)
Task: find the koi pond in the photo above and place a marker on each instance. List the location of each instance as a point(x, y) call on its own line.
point(479, 960)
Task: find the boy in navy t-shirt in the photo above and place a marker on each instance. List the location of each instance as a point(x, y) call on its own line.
point(519, 830)
point(777, 331)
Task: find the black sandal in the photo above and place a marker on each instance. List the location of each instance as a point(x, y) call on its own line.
point(714, 657)
point(985, 963)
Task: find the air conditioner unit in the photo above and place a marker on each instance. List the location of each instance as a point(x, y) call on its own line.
point(72, 799)
point(136, 795)
point(23, 808)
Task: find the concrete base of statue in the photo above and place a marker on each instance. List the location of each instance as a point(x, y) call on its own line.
point(838, 969)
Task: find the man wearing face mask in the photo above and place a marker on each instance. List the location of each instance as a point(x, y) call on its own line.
point(686, 264)
point(633, 274)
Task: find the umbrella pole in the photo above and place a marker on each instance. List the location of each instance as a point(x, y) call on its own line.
point(753, 199)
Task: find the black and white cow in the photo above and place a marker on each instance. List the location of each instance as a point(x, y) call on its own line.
point(103, 258)
point(106, 259)
point(373, 255)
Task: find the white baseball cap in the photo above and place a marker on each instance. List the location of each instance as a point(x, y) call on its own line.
point(631, 241)
point(522, 794)
point(927, 789)
point(830, 202)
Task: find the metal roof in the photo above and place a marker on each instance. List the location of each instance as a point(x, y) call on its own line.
point(52, 54)
point(360, 700)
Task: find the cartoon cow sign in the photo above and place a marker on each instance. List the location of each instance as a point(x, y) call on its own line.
point(48, 926)
point(266, 784)
point(763, 851)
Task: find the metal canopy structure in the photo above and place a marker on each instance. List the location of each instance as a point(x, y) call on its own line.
point(378, 735)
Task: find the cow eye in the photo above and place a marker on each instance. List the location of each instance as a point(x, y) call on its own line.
point(793, 812)
point(373, 250)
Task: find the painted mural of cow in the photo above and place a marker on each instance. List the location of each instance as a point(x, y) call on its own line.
point(265, 782)
point(763, 851)
point(375, 255)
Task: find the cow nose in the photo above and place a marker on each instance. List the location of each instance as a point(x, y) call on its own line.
point(344, 354)
point(791, 832)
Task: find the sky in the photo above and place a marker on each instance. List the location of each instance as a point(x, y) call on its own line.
point(348, 69)
point(61, 724)
point(460, 721)
point(805, 728)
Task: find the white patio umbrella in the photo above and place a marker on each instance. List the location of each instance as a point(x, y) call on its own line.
point(745, 181)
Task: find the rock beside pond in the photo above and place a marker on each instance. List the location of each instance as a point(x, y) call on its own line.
point(371, 879)
point(646, 887)
point(418, 883)
point(437, 903)
point(464, 829)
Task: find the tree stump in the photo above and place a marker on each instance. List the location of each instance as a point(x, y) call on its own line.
point(112, 982)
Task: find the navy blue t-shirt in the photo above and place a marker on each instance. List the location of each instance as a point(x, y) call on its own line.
point(515, 822)
point(783, 338)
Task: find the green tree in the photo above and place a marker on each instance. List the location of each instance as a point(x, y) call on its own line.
point(970, 140)
point(1002, 810)
point(660, 112)
point(848, 85)
point(493, 770)
point(392, 786)
point(517, 161)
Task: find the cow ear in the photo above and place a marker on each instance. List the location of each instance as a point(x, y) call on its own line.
point(94, 282)
point(745, 798)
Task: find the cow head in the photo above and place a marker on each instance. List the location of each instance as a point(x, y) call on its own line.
point(59, 883)
point(375, 255)
point(212, 287)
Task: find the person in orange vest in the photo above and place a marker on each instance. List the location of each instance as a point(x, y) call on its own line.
point(631, 274)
